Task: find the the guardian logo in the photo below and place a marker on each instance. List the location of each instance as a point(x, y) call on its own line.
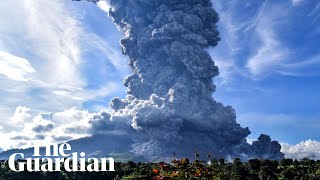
point(53, 162)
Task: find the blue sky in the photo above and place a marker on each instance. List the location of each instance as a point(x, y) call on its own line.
point(270, 60)
point(64, 58)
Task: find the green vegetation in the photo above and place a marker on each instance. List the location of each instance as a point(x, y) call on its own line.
point(304, 169)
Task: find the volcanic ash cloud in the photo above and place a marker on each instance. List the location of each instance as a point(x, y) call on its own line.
point(169, 105)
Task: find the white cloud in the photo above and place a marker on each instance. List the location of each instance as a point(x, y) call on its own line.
point(69, 116)
point(15, 68)
point(309, 148)
point(104, 5)
point(17, 121)
point(46, 128)
point(20, 115)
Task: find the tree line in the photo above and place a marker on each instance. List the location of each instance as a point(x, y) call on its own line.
point(305, 169)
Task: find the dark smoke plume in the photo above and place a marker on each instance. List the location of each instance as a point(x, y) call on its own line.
point(169, 105)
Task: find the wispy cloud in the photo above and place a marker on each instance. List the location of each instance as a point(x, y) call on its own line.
point(254, 44)
point(255, 21)
point(266, 51)
point(316, 16)
point(84, 95)
point(269, 56)
point(256, 119)
point(231, 44)
point(15, 68)
point(47, 33)
point(57, 48)
point(57, 41)
point(297, 2)
point(306, 67)
point(54, 35)
point(315, 10)
point(245, 39)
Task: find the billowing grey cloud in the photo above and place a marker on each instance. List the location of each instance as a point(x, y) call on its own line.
point(169, 105)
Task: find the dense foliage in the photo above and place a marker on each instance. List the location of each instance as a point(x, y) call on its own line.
point(183, 169)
